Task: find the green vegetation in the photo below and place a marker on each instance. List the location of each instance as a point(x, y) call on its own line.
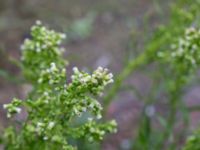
point(54, 106)
point(193, 142)
point(62, 115)
point(171, 49)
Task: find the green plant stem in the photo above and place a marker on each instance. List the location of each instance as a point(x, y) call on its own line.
point(174, 104)
point(172, 118)
point(170, 124)
point(4, 74)
point(146, 57)
point(122, 76)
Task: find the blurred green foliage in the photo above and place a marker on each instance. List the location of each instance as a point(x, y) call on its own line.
point(174, 67)
point(193, 142)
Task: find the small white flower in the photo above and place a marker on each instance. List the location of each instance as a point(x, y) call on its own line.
point(82, 80)
point(63, 36)
point(46, 101)
point(62, 49)
point(51, 82)
point(22, 47)
point(44, 46)
point(106, 70)
point(73, 77)
point(92, 130)
point(63, 70)
point(111, 81)
point(18, 110)
point(45, 138)
point(8, 115)
point(102, 132)
point(38, 49)
point(91, 105)
point(37, 44)
point(90, 119)
point(84, 109)
point(76, 111)
point(65, 85)
point(51, 125)
point(38, 22)
point(53, 66)
point(100, 69)
point(57, 88)
point(150, 110)
point(75, 69)
point(46, 93)
point(94, 81)
point(58, 42)
point(110, 75)
point(48, 70)
point(26, 41)
point(39, 124)
point(87, 78)
point(99, 116)
point(5, 106)
point(190, 30)
point(100, 94)
point(43, 29)
point(40, 80)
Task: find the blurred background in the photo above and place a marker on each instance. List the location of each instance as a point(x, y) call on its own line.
point(106, 33)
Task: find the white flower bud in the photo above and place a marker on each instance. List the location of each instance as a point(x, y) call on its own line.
point(45, 138)
point(53, 66)
point(100, 69)
point(51, 125)
point(40, 80)
point(110, 75)
point(46, 93)
point(90, 119)
point(5, 106)
point(38, 22)
point(63, 36)
point(99, 116)
point(18, 110)
point(75, 69)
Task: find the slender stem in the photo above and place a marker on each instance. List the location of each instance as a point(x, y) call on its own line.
point(121, 77)
point(173, 103)
point(146, 57)
point(11, 78)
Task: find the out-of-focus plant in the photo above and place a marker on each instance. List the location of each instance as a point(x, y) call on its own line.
point(54, 106)
point(176, 53)
point(180, 59)
point(193, 141)
point(183, 61)
point(4, 73)
point(183, 14)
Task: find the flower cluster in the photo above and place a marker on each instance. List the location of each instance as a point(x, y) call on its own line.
point(95, 82)
point(51, 77)
point(186, 54)
point(13, 107)
point(54, 106)
point(39, 51)
point(95, 131)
